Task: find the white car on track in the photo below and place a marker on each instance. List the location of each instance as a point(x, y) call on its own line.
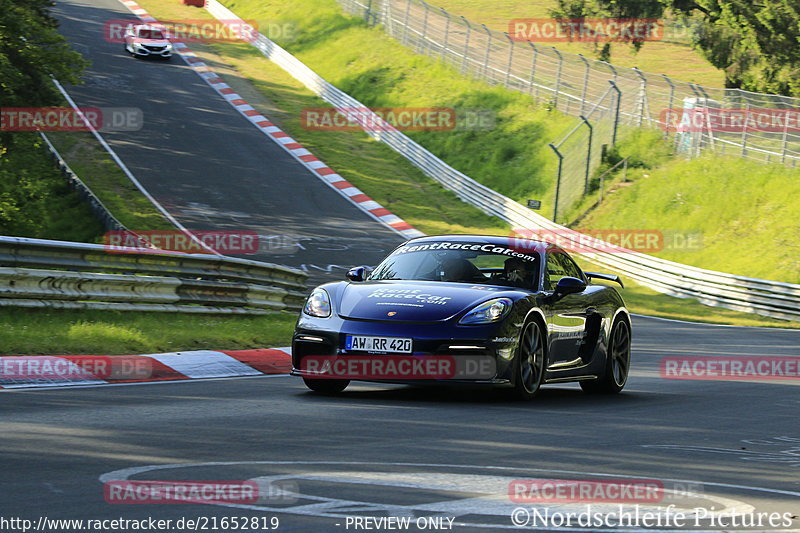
point(144, 40)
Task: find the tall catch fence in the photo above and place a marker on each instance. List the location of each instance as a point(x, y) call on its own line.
point(577, 85)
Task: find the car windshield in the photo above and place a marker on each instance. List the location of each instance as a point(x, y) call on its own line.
point(461, 262)
point(147, 33)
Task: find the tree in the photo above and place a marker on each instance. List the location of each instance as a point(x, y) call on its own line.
point(756, 43)
point(32, 50)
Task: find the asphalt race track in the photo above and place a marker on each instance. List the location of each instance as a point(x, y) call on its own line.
point(344, 456)
point(209, 166)
point(441, 458)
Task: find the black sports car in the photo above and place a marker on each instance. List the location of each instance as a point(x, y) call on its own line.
point(466, 308)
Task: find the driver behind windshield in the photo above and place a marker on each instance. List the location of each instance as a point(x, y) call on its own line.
point(518, 273)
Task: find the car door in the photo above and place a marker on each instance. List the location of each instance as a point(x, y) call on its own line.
point(567, 314)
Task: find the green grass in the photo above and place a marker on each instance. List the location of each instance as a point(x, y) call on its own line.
point(746, 213)
point(386, 74)
point(92, 332)
point(35, 200)
point(677, 59)
point(87, 158)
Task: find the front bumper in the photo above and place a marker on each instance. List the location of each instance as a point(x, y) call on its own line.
point(476, 354)
point(145, 52)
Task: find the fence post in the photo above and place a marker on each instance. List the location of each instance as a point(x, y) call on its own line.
point(585, 81)
point(670, 102)
point(744, 127)
point(558, 179)
point(466, 45)
point(446, 31)
point(588, 155)
point(386, 15)
point(642, 96)
point(558, 77)
point(368, 12)
point(488, 50)
point(612, 69)
point(405, 22)
point(510, 58)
point(616, 112)
point(785, 143)
point(532, 79)
point(423, 39)
point(694, 138)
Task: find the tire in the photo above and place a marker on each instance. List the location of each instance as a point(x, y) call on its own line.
point(529, 363)
point(618, 362)
point(327, 386)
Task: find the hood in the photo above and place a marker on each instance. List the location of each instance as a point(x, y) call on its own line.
point(151, 42)
point(412, 301)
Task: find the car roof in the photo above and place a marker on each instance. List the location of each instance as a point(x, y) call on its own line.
point(509, 241)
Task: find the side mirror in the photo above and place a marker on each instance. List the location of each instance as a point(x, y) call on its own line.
point(358, 273)
point(568, 285)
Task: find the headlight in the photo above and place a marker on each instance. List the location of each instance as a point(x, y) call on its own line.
point(318, 304)
point(488, 312)
point(169, 46)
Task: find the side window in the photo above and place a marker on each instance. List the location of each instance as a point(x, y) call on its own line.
point(558, 266)
point(573, 270)
point(555, 270)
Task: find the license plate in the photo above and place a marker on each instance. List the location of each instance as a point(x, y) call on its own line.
point(365, 343)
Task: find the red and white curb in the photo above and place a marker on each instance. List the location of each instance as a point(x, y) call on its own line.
point(294, 148)
point(33, 371)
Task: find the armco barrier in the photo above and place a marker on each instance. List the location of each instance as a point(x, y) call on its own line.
point(42, 273)
point(763, 297)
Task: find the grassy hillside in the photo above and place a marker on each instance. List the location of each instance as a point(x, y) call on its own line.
point(747, 213)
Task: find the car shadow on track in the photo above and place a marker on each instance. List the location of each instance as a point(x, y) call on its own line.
point(547, 397)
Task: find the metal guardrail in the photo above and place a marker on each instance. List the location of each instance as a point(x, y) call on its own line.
point(740, 293)
point(56, 274)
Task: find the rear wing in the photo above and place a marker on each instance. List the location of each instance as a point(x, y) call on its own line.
point(606, 277)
